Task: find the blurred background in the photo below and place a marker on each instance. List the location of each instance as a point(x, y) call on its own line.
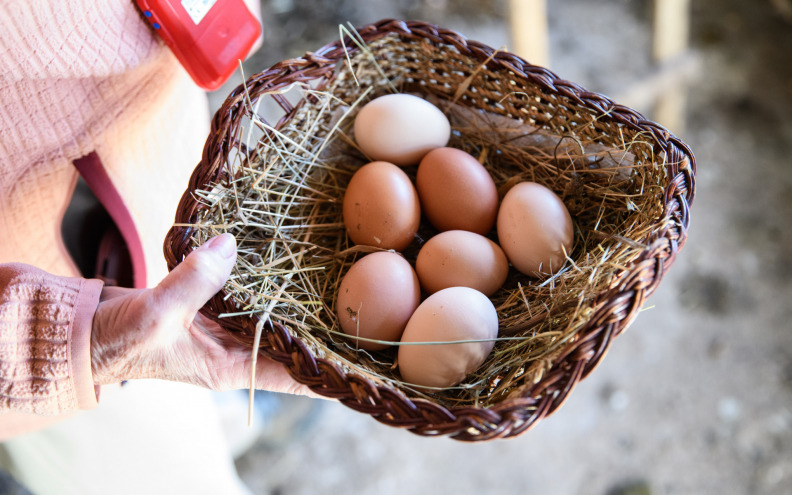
point(696, 397)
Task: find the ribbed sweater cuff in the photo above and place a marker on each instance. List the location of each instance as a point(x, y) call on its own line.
point(45, 341)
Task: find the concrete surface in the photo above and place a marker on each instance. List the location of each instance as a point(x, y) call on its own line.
point(696, 397)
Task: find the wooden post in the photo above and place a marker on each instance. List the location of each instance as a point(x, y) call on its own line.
point(670, 108)
point(529, 32)
point(671, 28)
point(671, 31)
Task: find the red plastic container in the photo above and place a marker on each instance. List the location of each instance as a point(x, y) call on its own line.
point(208, 37)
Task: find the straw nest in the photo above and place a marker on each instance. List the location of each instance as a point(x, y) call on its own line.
point(274, 172)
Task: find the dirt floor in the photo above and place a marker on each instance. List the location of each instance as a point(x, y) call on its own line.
point(696, 397)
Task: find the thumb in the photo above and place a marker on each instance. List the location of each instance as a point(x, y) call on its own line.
point(200, 276)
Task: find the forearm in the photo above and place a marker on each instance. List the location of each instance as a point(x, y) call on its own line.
point(45, 331)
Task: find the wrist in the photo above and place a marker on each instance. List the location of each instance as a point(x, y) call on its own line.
point(85, 386)
point(118, 339)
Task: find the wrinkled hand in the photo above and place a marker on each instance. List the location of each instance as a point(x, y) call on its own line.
point(157, 333)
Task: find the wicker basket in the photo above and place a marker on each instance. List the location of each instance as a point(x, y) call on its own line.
point(445, 67)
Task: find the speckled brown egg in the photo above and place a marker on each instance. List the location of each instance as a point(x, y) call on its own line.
point(400, 129)
point(450, 315)
point(534, 229)
point(456, 191)
point(381, 207)
point(376, 299)
point(460, 258)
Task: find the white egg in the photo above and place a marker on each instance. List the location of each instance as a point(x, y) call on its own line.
point(400, 129)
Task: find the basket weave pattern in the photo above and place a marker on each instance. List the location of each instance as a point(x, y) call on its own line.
point(448, 67)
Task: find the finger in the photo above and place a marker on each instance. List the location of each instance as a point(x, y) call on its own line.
point(199, 277)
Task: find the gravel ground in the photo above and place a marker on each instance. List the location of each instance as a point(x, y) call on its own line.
point(696, 397)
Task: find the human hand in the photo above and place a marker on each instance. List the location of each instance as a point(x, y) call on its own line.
point(158, 333)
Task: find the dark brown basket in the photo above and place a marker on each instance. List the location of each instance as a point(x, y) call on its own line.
point(443, 64)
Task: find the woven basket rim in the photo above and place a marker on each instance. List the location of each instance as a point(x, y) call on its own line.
point(617, 307)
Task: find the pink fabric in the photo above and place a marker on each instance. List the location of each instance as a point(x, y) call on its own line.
point(79, 77)
point(91, 169)
point(90, 76)
point(45, 343)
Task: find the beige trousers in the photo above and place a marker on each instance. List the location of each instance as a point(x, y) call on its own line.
point(149, 436)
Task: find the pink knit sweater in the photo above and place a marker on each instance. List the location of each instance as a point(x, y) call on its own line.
point(80, 77)
point(45, 338)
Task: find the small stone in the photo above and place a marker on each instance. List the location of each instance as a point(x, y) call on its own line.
point(729, 409)
point(716, 348)
point(616, 398)
point(638, 487)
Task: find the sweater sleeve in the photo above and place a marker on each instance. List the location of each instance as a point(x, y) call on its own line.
point(45, 341)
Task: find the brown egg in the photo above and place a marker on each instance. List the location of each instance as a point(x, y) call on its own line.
point(453, 314)
point(381, 207)
point(400, 129)
point(376, 298)
point(458, 258)
point(456, 191)
point(534, 229)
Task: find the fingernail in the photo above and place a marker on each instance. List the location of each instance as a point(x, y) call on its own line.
point(223, 244)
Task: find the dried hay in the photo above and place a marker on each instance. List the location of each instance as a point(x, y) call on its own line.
point(283, 204)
